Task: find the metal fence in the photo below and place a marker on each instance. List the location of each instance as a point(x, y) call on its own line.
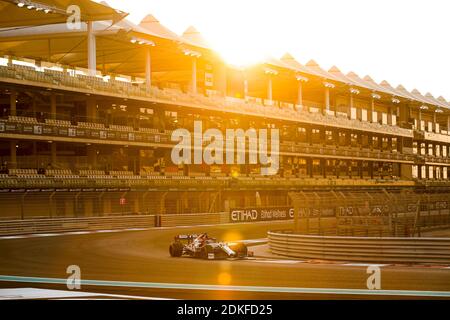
point(377, 213)
point(20, 227)
point(85, 203)
point(58, 225)
point(409, 250)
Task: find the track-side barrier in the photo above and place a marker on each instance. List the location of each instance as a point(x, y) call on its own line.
point(173, 220)
point(57, 225)
point(391, 250)
point(19, 227)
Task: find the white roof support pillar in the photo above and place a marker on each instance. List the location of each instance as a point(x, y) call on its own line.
point(327, 99)
point(148, 69)
point(328, 86)
point(270, 73)
point(194, 56)
point(351, 100)
point(350, 105)
point(372, 108)
point(194, 76)
point(397, 115)
point(353, 92)
point(373, 117)
point(146, 44)
point(300, 94)
point(300, 79)
point(394, 111)
point(269, 90)
point(92, 49)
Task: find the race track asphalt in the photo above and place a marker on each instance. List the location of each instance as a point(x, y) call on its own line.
point(142, 256)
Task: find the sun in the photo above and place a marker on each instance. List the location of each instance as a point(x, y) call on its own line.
point(239, 56)
point(239, 51)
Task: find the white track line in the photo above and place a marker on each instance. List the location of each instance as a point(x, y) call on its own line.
point(68, 233)
point(278, 261)
point(33, 294)
point(12, 237)
point(204, 287)
point(262, 241)
point(71, 233)
point(364, 265)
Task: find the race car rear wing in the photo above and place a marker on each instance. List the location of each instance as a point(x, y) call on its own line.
point(186, 236)
point(189, 237)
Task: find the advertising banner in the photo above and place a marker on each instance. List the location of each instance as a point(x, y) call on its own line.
point(261, 214)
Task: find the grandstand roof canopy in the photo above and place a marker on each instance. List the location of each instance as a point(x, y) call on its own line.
point(121, 47)
point(428, 99)
point(153, 26)
point(315, 67)
point(279, 65)
point(417, 96)
point(442, 100)
point(436, 102)
point(289, 60)
point(44, 12)
point(361, 82)
point(191, 38)
point(338, 74)
point(194, 37)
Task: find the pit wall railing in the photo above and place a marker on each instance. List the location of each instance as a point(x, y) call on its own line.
point(369, 213)
point(432, 215)
point(363, 249)
point(366, 227)
point(123, 222)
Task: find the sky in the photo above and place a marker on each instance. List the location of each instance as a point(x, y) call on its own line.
point(401, 41)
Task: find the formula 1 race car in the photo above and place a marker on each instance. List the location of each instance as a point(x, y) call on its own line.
point(204, 247)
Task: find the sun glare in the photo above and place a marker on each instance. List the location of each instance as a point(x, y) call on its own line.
point(240, 52)
point(234, 150)
point(245, 32)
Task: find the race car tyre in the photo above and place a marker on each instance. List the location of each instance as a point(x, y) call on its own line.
point(240, 249)
point(205, 251)
point(176, 249)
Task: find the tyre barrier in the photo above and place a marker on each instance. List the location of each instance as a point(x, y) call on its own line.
point(361, 249)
